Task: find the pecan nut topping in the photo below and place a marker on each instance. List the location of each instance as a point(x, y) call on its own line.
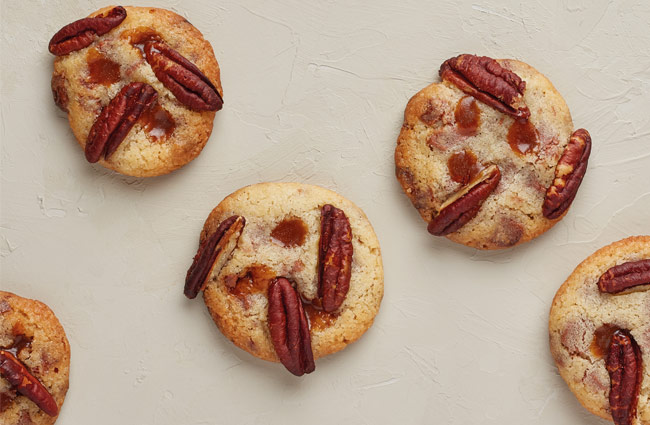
point(334, 257)
point(625, 276)
point(82, 33)
point(569, 172)
point(190, 86)
point(117, 118)
point(213, 253)
point(26, 384)
point(463, 206)
point(289, 328)
point(625, 369)
point(486, 80)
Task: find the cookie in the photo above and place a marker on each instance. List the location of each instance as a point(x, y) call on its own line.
point(488, 155)
point(140, 86)
point(599, 330)
point(34, 362)
point(290, 272)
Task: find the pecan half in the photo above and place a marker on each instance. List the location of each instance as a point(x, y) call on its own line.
point(487, 81)
point(625, 368)
point(190, 86)
point(213, 253)
point(82, 33)
point(463, 206)
point(117, 118)
point(289, 328)
point(625, 276)
point(569, 172)
point(26, 384)
point(334, 257)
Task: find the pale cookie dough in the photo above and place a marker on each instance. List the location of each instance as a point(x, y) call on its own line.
point(32, 328)
point(241, 313)
point(174, 135)
point(580, 311)
point(430, 135)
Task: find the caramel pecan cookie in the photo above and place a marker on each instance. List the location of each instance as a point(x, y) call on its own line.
point(290, 272)
point(34, 362)
point(599, 330)
point(488, 156)
point(140, 86)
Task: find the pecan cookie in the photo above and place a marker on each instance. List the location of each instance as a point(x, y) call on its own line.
point(290, 272)
point(599, 330)
point(140, 86)
point(34, 362)
point(488, 156)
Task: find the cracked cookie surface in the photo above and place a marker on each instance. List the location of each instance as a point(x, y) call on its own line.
point(170, 134)
point(31, 328)
point(281, 238)
point(582, 319)
point(447, 137)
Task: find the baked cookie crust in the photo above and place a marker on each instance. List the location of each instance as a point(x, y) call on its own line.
point(84, 81)
point(581, 313)
point(432, 134)
point(46, 354)
point(265, 252)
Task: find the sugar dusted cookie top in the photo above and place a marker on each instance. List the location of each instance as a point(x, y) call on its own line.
point(583, 319)
point(174, 125)
point(31, 337)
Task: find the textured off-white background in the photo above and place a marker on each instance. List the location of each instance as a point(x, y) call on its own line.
point(314, 92)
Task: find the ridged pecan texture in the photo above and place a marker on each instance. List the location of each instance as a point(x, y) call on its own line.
point(190, 86)
point(569, 172)
point(82, 33)
point(486, 80)
point(213, 253)
point(334, 257)
point(463, 206)
point(117, 118)
point(625, 276)
point(289, 328)
point(625, 368)
point(26, 384)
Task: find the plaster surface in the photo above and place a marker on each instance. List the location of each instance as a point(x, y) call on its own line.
point(314, 92)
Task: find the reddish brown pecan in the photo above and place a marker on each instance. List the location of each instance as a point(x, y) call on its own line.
point(213, 253)
point(625, 368)
point(625, 276)
point(487, 81)
point(82, 33)
point(117, 118)
point(289, 328)
point(26, 384)
point(463, 206)
point(569, 172)
point(334, 257)
point(190, 86)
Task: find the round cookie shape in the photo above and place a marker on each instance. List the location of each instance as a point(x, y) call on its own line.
point(140, 91)
point(34, 354)
point(592, 317)
point(290, 235)
point(494, 166)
